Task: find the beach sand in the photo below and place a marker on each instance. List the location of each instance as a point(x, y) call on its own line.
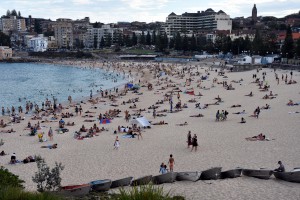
point(221, 144)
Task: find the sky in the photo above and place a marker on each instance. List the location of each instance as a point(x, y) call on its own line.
point(112, 11)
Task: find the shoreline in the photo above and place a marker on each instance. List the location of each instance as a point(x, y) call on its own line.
point(85, 66)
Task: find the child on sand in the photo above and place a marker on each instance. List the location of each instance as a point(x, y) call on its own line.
point(171, 162)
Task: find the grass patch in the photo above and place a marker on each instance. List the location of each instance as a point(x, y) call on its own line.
point(13, 193)
point(146, 192)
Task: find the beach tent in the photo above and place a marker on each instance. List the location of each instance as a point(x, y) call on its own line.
point(162, 73)
point(141, 121)
point(129, 85)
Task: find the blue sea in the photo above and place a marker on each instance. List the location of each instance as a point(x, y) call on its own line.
point(21, 82)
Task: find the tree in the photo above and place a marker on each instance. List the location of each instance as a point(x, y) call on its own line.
point(201, 43)
point(148, 38)
point(158, 43)
point(298, 47)
point(127, 41)
point(120, 40)
point(108, 40)
point(37, 27)
point(171, 43)
point(8, 13)
point(95, 42)
point(193, 43)
point(165, 41)
point(47, 179)
point(257, 44)
point(19, 14)
point(4, 39)
point(9, 179)
point(153, 38)
point(134, 39)
point(185, 43)
point(142, 38)
point(288, 45)
point(14, 13)
point(102, 42)
point(178, 42)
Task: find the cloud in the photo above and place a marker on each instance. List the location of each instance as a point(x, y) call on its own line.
point(82, 2)
point(145, 4)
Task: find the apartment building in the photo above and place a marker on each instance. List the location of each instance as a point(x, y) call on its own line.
point(12, 24)
point(97, 33)
point(5, 53)
point(195, 22)
point(63, 32)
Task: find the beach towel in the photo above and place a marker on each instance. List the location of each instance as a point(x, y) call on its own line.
point(190, 92)
point(104, 121)
point(127, 136)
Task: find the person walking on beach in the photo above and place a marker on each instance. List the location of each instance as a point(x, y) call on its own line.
point(117, 143)
point(80, 110)
point(171, 163)
point(154, 113)
point(194, 143)
point(189, 139)
point(76, 110)
point(70, 99)
point(50, 134)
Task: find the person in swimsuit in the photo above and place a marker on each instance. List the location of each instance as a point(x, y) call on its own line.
point(117, 143)
point(171, 162)
point(189, 139)
point(194, 143)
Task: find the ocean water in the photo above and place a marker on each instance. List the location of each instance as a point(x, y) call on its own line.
point(21, 82)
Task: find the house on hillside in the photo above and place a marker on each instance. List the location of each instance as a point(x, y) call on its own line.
point(5, 53)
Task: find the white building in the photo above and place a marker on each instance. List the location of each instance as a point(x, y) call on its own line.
point(96, 34)
point(38, 44)
point(5, 53)
point(245, 60)
point(194, 22)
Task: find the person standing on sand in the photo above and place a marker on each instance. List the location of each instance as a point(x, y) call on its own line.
point(154, 113)
point(117, 143)
point(70, 99)
point(50, 134)
point(76, 110)
point(194, 143)
point(189, 139)
point(80, 110)
point(171, 163)
point(139, 134)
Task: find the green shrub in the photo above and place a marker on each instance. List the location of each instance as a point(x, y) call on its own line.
point(9, 179)
point(13, 193)
point(46, 179)
point(146, 192)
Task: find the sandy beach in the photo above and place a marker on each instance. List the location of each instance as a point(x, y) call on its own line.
point(221, 143)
